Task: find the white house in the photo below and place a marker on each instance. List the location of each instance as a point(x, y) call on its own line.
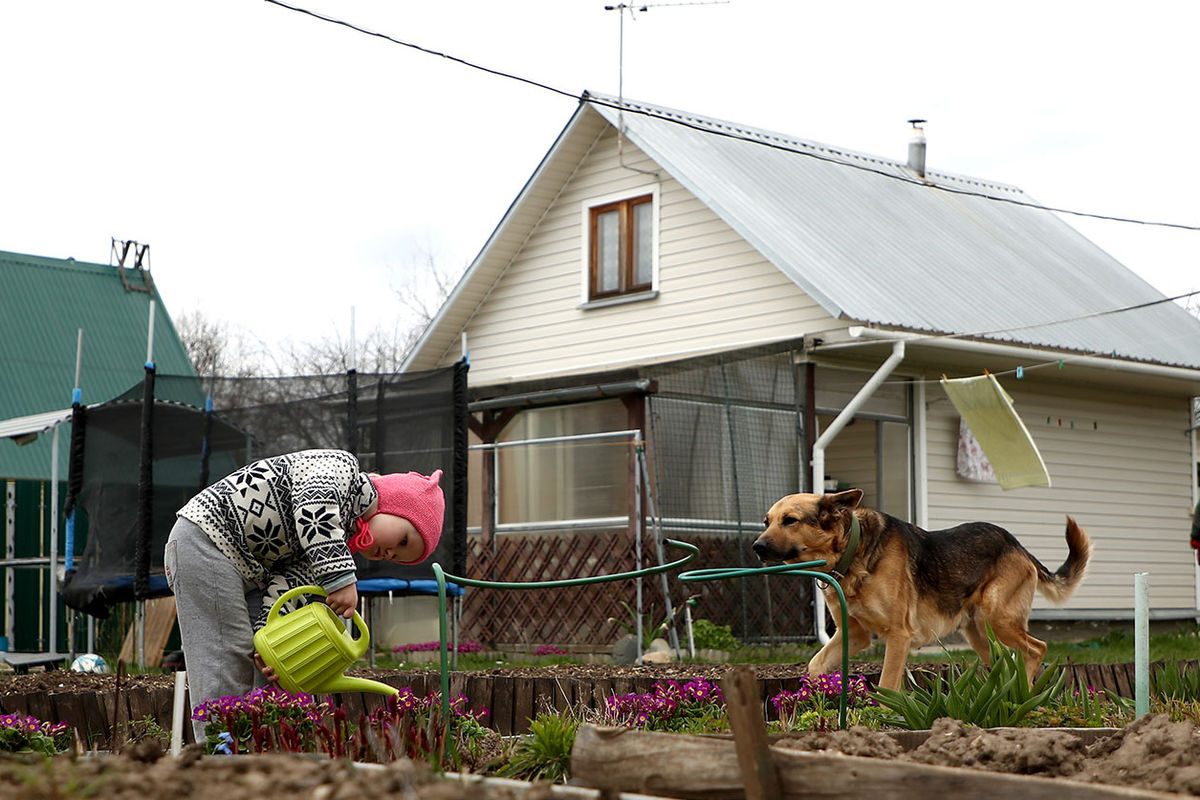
point(730, 291)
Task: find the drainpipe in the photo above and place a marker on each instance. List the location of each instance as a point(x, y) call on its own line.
point(1194, 435)
point(823, 442)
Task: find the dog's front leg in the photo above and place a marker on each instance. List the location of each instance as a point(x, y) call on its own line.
point(895, 655)
point(829, 657)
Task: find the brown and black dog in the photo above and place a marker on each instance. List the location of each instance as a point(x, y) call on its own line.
point(910, 586)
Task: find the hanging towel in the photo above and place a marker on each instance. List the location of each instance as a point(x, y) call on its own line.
point(988, 411)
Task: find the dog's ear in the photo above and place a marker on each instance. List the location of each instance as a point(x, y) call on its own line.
point(833, 506)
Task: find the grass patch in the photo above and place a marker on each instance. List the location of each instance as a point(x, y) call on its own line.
point(1114, 647)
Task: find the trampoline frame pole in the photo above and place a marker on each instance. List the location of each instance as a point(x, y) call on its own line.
point(10, 550)
point(52, 594)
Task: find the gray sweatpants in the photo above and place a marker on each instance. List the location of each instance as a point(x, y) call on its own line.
point(215, 605)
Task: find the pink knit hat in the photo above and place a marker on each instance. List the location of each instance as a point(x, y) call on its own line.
point(416, 498)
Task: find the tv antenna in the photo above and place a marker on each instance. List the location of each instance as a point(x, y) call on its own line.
point(120, 251)
point(634, 9)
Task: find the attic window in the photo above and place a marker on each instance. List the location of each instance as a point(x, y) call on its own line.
point(621, 246)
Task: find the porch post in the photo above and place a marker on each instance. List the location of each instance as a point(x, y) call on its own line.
point(488, 430)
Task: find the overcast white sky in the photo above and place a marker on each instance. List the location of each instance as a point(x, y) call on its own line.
point(284, 169)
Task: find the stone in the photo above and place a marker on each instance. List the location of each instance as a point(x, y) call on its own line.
point(625, 649)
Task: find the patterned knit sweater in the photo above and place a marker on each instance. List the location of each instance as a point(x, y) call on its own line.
point(284, 521)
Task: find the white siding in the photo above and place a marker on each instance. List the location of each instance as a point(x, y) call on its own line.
point(852, 459)
point(715, 291)
point(1119, 464)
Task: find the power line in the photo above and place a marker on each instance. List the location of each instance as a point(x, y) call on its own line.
point(874, 170)
point(622, 107)
point(426, 50)
point(924, 337)
point(585, 97)
point(1065, 320)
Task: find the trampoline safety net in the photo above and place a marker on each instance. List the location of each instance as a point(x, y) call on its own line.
point(105, 572)
point(392, 422)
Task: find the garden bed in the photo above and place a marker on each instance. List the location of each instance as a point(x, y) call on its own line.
point(88, 702)
point(1150, 754)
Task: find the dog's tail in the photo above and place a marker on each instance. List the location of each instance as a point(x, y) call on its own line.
point(1058, 586)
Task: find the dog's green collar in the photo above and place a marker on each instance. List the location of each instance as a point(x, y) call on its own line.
point(843, 564)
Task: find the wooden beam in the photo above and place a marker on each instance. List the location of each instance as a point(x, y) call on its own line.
point(705, 768)
point(744, 706)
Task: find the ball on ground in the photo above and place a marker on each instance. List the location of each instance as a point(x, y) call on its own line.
point(89, 662)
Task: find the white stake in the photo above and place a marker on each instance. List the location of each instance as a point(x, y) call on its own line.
point(1141, 643)
point(177, 714)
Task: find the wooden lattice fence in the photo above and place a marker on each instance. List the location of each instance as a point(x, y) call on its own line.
point(756, 609)
point(525, 618)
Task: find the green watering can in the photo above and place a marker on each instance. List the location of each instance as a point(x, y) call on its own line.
point(310, 648)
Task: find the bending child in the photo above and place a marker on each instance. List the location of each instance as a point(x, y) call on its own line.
point(275, 524)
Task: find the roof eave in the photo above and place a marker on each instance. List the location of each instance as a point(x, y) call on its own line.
point(435, 338)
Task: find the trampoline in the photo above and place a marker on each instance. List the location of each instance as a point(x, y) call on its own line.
point(131, 470)
point(372, 589)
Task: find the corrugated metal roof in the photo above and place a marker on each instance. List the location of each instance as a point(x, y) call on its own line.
point(43, 304)
point(873, 244)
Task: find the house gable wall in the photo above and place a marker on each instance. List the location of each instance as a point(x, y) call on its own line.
point(715, 292)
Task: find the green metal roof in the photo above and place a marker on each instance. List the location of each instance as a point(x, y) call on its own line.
point(44, 302)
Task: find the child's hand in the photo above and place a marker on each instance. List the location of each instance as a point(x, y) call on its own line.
point(267, 671)
point(344, 601)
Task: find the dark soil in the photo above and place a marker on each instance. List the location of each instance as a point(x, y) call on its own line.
point(59, 681)
point(225, 777)
point(1152, 753)
point(65, 681)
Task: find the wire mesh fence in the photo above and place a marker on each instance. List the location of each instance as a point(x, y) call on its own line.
point(726, 436)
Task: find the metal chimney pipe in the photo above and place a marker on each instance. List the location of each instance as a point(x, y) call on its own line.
point(916, 148)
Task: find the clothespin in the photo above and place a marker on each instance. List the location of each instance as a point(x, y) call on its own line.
point(1020, 373)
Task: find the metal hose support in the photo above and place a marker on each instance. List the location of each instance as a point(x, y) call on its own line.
point(802, 568)
point(442, 577)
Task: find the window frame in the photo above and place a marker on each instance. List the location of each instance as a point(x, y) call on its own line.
point(625, 204)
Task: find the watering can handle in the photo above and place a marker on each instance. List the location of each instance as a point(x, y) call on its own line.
point(364, 634)
point(289, 594)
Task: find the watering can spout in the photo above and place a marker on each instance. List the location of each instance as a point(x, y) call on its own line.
point(346, 683)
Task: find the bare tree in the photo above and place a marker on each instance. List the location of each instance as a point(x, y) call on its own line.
point(425, 287)
point(215, 350)
point(218, 351)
